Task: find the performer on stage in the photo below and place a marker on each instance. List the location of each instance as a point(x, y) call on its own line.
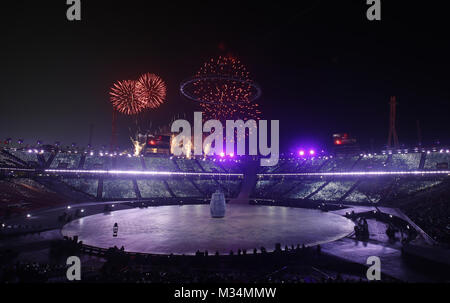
point(115, 229)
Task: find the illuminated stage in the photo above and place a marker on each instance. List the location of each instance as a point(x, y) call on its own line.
point(188, 228)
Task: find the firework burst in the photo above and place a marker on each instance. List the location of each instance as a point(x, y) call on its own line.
point(124, 98)
point(151, 90)
point(132, 97)
point(224, 90)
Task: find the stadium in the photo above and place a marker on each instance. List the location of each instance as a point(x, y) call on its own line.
point(337, 210)
point(194, 146)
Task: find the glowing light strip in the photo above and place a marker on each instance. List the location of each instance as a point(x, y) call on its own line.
point(138, 172)
point(362, 173)
point(170, 173)
point(18, 169)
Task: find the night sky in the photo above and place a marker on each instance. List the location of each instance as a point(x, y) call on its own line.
point(322, 66)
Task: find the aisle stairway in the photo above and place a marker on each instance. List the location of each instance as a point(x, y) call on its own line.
point(250, 170)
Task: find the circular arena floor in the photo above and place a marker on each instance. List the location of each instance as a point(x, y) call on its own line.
point(188, 228)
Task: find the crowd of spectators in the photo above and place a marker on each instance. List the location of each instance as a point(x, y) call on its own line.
point(432, 214)
point(294, 264)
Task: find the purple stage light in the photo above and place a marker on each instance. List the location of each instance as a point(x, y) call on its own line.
point(301, 153)
point(312, 152)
